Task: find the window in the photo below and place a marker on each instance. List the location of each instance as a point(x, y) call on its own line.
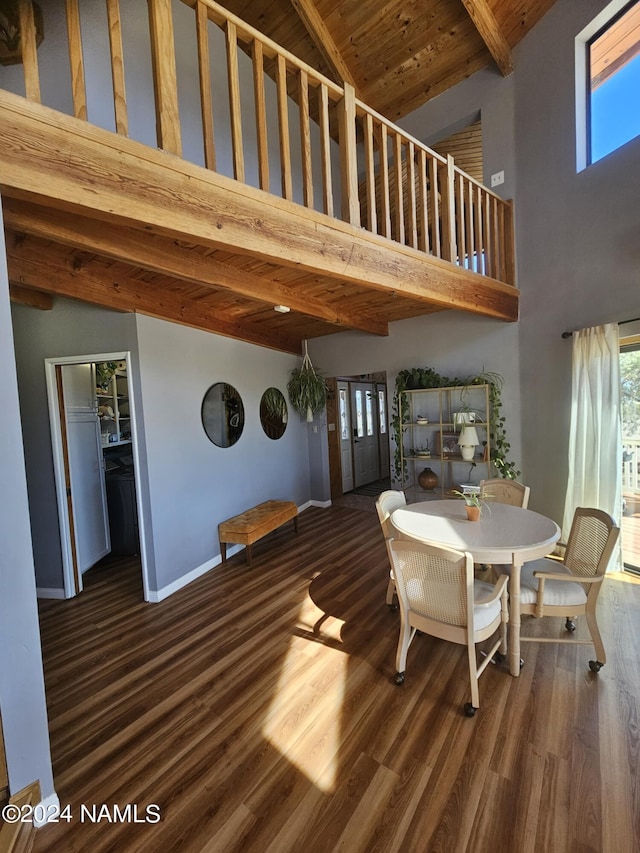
point(613, 80)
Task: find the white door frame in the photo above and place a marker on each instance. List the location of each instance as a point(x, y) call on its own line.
point(58, 463)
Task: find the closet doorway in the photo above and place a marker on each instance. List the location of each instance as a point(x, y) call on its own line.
point(89, 442)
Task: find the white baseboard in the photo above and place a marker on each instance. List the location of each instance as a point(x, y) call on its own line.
point(45, 592)
point(46, 809)
point(166, 591)
point(156, 596)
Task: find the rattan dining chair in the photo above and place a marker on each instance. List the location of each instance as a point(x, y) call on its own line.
point(439, 596)
point(570, 588)
point(505, 491)
point(387, 503)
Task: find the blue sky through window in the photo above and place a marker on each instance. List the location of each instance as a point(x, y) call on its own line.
point(615, 110)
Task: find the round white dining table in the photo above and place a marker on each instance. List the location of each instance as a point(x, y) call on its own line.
point(504, 534)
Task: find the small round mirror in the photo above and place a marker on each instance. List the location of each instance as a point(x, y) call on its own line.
point(222, 414)
point(273, 413)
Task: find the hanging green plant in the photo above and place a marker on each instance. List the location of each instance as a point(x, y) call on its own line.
point(307, 389)
point(418, 377)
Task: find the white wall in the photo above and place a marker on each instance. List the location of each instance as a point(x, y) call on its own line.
point(578, 240)
point(71, 328)
point(194, 485)
point(22, 702)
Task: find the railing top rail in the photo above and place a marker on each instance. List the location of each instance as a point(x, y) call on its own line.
point(480, 185)
point(219, 15)
point(363, 109)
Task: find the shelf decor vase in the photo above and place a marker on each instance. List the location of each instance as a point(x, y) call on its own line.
point(428, 479)
point(473, 512)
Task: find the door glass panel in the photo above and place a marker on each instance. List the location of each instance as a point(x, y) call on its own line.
point(382, 411)
point(359, 414)
point(369, 413)
point(344, 415)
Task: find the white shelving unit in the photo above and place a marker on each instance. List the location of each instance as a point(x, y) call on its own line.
point(117, 399)
point(431, 422)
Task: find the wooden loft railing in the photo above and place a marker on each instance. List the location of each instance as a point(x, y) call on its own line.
point(409, 193)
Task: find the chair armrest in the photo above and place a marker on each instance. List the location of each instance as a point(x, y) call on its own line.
point(552, 576)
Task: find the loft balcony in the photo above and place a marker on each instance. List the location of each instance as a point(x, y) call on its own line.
point(166, 158)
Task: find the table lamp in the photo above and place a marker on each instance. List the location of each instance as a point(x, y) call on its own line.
point(468, 442)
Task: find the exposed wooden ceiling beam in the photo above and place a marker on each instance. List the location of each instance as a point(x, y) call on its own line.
point(47, 158)
point(158, 254)
point(32, 298)
point(323, 40)
point(53, 269)
point(485, 22)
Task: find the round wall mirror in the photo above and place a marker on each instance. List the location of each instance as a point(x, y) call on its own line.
point(222, 414)
point(273, 413)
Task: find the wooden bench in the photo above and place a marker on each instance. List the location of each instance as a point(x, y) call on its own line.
point(249, 526)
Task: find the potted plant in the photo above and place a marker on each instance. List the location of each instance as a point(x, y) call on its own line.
point(307, 389)
point(473, 503)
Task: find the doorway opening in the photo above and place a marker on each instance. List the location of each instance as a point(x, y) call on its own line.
point(630, 394)
point(358, 432)
point(92, 415)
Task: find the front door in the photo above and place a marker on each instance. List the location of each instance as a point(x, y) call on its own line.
point(364, 427)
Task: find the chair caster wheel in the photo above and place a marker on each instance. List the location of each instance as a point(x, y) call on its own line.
point(469, 710)
point(399, 679)
point(595, 665)
point(521, 663)
point(499, 657)
point(393, 608)
point(570, 625)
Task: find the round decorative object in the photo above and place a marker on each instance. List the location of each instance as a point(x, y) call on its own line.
point(273, 413)
point(428, 479)
point(222, 414)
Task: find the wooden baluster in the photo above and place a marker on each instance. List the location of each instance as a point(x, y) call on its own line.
point(469, 226)
point(488, 240)
point(283, 126)
point(234, 101)
point(385, 205)
point(349, 157)
point(257, 56)
point(204, 71)
point(29, 50)
point(305, 137)
point(163, 57)
point(370, 170)
point(325, 149)
point(76, 61)
point(411, 195)
point(477, 209)
point(509, 244)
point(434, 208)
point(117, 67)
point(423, 210)
point(502, 268)
point(459, 207)
point(398, 188)
point(449, 251)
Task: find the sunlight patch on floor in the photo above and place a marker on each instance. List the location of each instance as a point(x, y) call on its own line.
point(303, 721)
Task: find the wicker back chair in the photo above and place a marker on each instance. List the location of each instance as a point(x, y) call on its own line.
point(387, 503)
point(438, 596)
point(571, 588)
point(504, 491)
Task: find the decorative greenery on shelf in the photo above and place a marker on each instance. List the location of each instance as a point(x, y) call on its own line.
point(104, 373)
point(307, 389)
point(417, 378)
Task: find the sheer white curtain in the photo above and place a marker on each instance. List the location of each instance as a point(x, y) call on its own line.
point(595, 440)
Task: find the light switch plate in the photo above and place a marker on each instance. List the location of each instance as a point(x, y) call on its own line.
point(497, 179)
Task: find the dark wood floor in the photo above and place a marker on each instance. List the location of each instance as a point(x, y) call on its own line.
point(257, 709)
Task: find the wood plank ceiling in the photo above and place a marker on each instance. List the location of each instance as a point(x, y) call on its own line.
point(398, 54)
